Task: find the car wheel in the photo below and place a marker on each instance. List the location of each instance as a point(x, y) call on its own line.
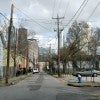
point(94, 75)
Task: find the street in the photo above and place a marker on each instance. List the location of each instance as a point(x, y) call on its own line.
point(45, 87)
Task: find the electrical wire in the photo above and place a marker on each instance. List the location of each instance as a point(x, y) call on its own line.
point(53, 8)
point(66, 8)
point(94, 10)
point(32, 19)
point(82, 10)
point(76, 12)
point(60, 3)
point(91, 13)
point(4, 16)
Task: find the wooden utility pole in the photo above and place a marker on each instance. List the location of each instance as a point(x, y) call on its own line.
point(58, 31)
point(49, 58)
point(27, 58)
point(50, 51)
point(15, 51)
point(8, 45)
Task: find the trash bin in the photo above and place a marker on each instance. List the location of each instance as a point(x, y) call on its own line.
point(79, 77)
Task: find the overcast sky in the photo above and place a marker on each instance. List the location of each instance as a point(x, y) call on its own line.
point(38, 15)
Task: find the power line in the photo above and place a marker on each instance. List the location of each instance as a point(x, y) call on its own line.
point(4, 16)
point(28, 19)
point(53, 8)
point(60, 2)
point(32, 19)
point(76, 12)
point(52, 39)
point(83, 20)
point(42, 21)
point(66, 8)
point(45, 21)
point(82, 9)
point(94, 10)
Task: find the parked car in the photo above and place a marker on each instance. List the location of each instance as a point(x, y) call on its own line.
point(35, 70)
point(87, 72)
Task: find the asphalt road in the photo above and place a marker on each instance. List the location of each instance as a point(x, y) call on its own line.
point(44, 87)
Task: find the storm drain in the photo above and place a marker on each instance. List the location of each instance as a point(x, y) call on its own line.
point(34, 87)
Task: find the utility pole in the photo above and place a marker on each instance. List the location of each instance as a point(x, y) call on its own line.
point(27, 58)
point(50, 51)
point(50, 59)
point(15, 51)
point(58, 31)
point(8, 45)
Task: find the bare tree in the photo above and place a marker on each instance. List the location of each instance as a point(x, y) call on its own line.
point(79, 35)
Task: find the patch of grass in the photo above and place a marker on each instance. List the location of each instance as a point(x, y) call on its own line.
point(13, 80)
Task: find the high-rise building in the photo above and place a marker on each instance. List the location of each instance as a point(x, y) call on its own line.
point(22, 48)
point(22, 42)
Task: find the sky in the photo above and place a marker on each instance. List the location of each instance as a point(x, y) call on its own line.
point(36, 15)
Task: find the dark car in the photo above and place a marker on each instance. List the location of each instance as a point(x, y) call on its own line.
point(89, 72)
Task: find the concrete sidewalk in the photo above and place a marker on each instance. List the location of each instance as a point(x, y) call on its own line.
point(86, 81)
point(71, 78)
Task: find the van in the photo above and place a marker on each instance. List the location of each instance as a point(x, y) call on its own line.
point(35, 70)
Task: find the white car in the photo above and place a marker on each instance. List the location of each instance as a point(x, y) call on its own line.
point(35, 70)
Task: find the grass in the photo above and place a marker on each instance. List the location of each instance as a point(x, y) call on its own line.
point(13, 80)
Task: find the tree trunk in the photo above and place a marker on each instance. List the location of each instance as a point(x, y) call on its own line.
point(74, 64)
point(64, 68)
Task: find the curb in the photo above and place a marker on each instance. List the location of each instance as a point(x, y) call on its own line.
point(87, 84)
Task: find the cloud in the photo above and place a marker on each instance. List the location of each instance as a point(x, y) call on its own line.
point(35, 8)
point(43, 10)
point(45, 41)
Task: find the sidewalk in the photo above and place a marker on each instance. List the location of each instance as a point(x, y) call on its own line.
point(86, 81)
point(14, 80)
